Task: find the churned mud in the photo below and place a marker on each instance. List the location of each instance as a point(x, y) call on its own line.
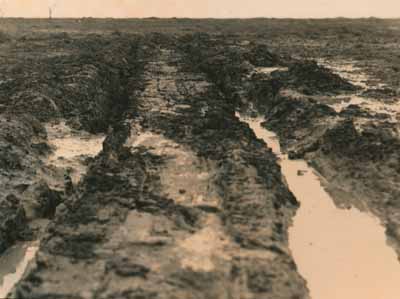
point(349, 71)
point(167, 204)
point(71, 149)
point(351, 142)
point(126, 173)
point(332, 247)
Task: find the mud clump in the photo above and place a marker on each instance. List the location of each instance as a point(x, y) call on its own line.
point(355, 150)
point(84, 85)
point(372, 144)
point(175, 204)
point(380, 93)
point(260, 56)
point(352, 111)
point(262, 93)
point(224, 64)
point(310, 78)
point(13, 223)
point(40, 201)
point(16, 136)
point(19, 161)
point(4, 37)
point(77, 80)
point(292, 119)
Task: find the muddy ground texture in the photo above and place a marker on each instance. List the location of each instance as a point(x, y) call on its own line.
point(181, 200)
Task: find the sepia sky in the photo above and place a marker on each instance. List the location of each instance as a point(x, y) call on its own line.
point(202, 8)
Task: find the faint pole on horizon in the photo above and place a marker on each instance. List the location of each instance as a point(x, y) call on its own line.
point(52, 6)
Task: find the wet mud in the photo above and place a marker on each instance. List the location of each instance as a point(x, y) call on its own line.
point(350, 139)
point(354, 270)
point(166, 202)
point(128, 149)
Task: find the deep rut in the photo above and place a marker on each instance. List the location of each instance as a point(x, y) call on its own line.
point(183, 202)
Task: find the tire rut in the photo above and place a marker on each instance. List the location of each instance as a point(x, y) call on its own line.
point(183, 202)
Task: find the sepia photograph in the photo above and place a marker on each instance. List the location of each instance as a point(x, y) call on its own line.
point(187, 149)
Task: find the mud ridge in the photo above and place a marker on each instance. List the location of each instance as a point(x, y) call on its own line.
point(183, 201)
point(354, 148)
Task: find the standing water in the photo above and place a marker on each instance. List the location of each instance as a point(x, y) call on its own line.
point(13, 264)
point(341, 253)
point(70, 149)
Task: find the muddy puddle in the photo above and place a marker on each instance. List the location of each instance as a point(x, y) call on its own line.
point(71, 148)
point(355, 75)
point(349, 71)
point(13, 264)
point(343, 254)
point(372, 105)
point(267, 70)
point(270, 70)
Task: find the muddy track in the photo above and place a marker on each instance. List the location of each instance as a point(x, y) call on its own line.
point(351, 139)
point(122, 154)
point(79, 85)
point(182, 202)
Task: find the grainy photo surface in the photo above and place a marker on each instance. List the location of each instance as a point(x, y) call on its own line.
point(170, 149)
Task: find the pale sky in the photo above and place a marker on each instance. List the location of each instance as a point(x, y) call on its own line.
point(202, 8)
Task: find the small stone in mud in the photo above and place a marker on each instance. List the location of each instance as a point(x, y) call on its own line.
point(301, 172)
point(132, 270)
point(42, 148)
point(69, 186)
point(13, 222)
point(125, 268)
point(182, 191)
point(40, 201)
point(208, 209)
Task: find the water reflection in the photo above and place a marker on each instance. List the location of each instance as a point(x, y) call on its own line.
point(13, 264)
point(342, 254)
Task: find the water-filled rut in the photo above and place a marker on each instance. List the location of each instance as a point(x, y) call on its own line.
point(70, 148)
point(13, 264)
point(341, 253)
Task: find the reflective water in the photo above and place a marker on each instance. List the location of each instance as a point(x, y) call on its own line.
point(357, 76)
point(269, 70)
point(343, 254)
point(71, 148)
point(13, 264)
point(349, 71)
point(392, 109)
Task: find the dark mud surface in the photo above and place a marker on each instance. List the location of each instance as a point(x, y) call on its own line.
point(353, 146)
point(127, 144)
point(182, 201)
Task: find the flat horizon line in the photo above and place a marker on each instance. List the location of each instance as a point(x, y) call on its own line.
point(203, 18)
